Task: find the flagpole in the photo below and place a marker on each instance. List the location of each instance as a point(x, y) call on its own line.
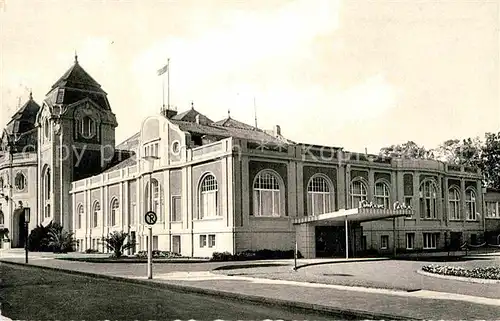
point(163, 92)
point(168, 83)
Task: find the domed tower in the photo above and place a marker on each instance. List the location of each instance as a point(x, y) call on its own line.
point(19, 171)
point(76, 134)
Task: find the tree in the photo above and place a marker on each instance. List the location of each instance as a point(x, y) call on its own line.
point(407, 150)
point(470, 153)
point(61, 241)
point(447, 151)
point(115, 242)
point(491, 160)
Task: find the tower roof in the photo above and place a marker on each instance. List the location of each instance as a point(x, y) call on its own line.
point(24, 118)
point(76, 77)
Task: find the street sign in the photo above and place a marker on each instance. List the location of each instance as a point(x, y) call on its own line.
point(150, 218)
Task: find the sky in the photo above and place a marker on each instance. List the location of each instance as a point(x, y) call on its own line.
point(357, 74)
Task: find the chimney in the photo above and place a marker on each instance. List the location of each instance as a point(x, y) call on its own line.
point(169, 112)
point(197, 118)
point(277, 130)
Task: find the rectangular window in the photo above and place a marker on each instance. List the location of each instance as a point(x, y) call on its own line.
point(363, 243)
point(176, 209)
point(408, 201)
point(410, 241)
point(492, 209)
point(430, 240)
point(60, 96)
point(211, 240)
point(408, 184)
point(384, 242)
point(203, 240)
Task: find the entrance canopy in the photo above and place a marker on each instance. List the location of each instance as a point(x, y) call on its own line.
point(355, 215)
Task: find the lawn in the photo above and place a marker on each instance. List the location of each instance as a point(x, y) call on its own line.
point(33, 293)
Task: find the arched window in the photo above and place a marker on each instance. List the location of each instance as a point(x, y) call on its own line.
point(115, 207)
point(157, 200)
point(46, 184)
point(267, 194)
point(2, 222)
point(1, 183)
point(208, 197)
point(87, 127)
point(46, 128)
point(382, 194)
point(453, 204)
point(79, 216)
point(358, 192)
point(428, 199)
point(470, 204)
point(20, 181)
point(319, 196)
point(96, 210)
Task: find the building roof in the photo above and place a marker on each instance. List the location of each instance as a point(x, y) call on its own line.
point(193, 122)
point(191, 115)
point(229, 122)
point(213, 129)
point(131, 160)
point(130, 143)
point(24, 119)
point(76, 77)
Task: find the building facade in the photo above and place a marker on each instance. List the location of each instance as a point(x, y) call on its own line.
point(222, 185)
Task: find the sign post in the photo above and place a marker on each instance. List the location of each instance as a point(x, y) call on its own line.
point(150, 219)
point(26, 231)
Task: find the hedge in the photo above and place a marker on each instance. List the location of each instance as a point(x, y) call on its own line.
point(255, 255)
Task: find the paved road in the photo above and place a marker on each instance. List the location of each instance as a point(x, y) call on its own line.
point(28, 293)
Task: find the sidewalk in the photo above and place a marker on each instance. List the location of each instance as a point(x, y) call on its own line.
point(378, 303)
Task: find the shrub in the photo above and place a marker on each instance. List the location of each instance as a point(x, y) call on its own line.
point(38, 240)
point(90, 251)
point(255, 255)
point(4, 234)
point(158, 254)
point(224, 256)
point(115, 242)
point(61, 241)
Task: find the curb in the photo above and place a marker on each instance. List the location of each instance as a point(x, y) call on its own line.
point(340, 262)
point(459, 278)
point(228, 295)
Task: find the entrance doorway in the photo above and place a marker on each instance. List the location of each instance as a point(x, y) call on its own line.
point(18, 233)
point(455, 241)
point(330, 241)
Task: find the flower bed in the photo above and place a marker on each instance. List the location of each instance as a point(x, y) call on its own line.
point(491, 272)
